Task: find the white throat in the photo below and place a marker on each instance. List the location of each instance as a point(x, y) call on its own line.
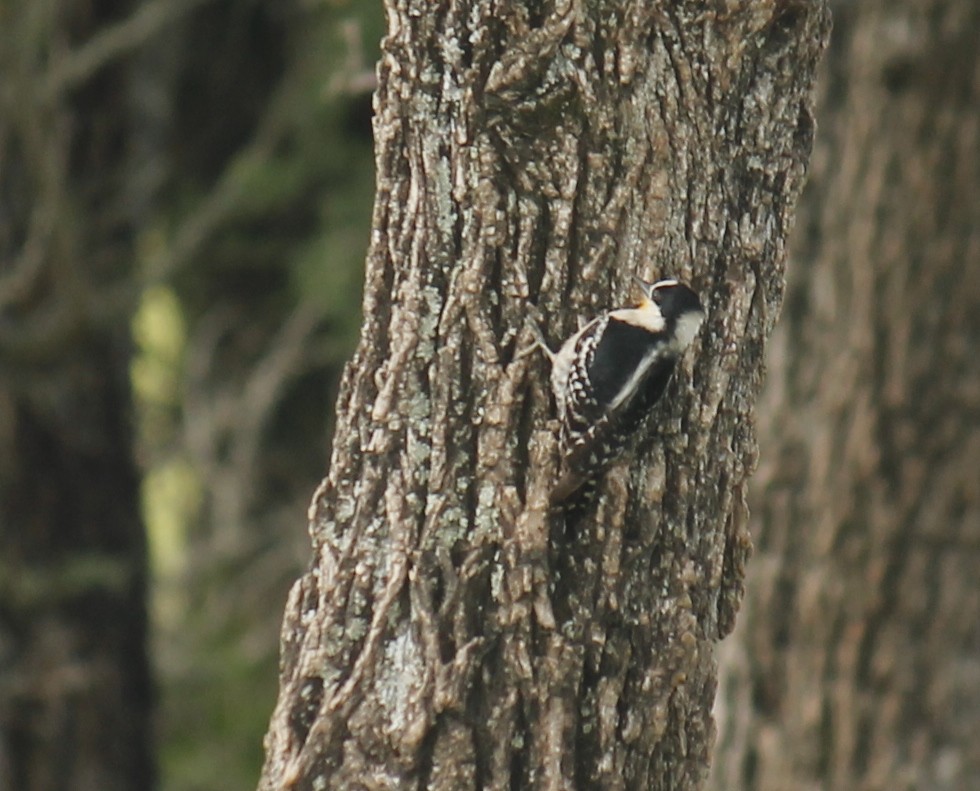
point(688, 325)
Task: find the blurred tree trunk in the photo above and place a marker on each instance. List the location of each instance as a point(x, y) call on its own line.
point(856, 664)
point(75, 697)
point(446, 635)
point(253, 199)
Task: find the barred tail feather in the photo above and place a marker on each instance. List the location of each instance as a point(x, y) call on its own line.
point(576, 505)
point(568, 485)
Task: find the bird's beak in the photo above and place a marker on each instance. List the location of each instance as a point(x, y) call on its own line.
point(646, 288)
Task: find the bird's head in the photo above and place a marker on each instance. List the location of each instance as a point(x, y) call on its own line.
point(669, 305)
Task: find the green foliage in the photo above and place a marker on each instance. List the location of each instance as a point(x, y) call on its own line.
point(160, 336)
point(259, 237)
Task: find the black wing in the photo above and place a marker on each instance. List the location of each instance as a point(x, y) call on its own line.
point(619, 353)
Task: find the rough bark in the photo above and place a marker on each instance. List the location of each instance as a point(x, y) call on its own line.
point(75, 698)
point(529, 161)
point(855, 664)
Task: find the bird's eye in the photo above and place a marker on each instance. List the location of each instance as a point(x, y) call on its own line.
point(657, 296)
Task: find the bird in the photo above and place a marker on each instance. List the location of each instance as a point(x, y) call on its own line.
point(608, 376)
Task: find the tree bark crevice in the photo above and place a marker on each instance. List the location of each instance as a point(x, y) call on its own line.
point(521, 173)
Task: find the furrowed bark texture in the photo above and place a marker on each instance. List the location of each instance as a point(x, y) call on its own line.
point(447, 635)
point(855, 664)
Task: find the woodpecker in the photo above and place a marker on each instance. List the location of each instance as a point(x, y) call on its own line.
point(608, 375)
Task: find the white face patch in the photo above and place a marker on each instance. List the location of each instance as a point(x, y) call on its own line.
point(688, 325)
point(647, 316)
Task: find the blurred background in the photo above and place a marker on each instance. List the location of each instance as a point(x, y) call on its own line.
point(185, 200)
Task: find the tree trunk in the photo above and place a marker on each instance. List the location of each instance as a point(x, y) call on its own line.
point(75, 696)
point(447, 635)
point(855, 664)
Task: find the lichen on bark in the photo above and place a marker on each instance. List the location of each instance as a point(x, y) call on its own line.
point(530, 161)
